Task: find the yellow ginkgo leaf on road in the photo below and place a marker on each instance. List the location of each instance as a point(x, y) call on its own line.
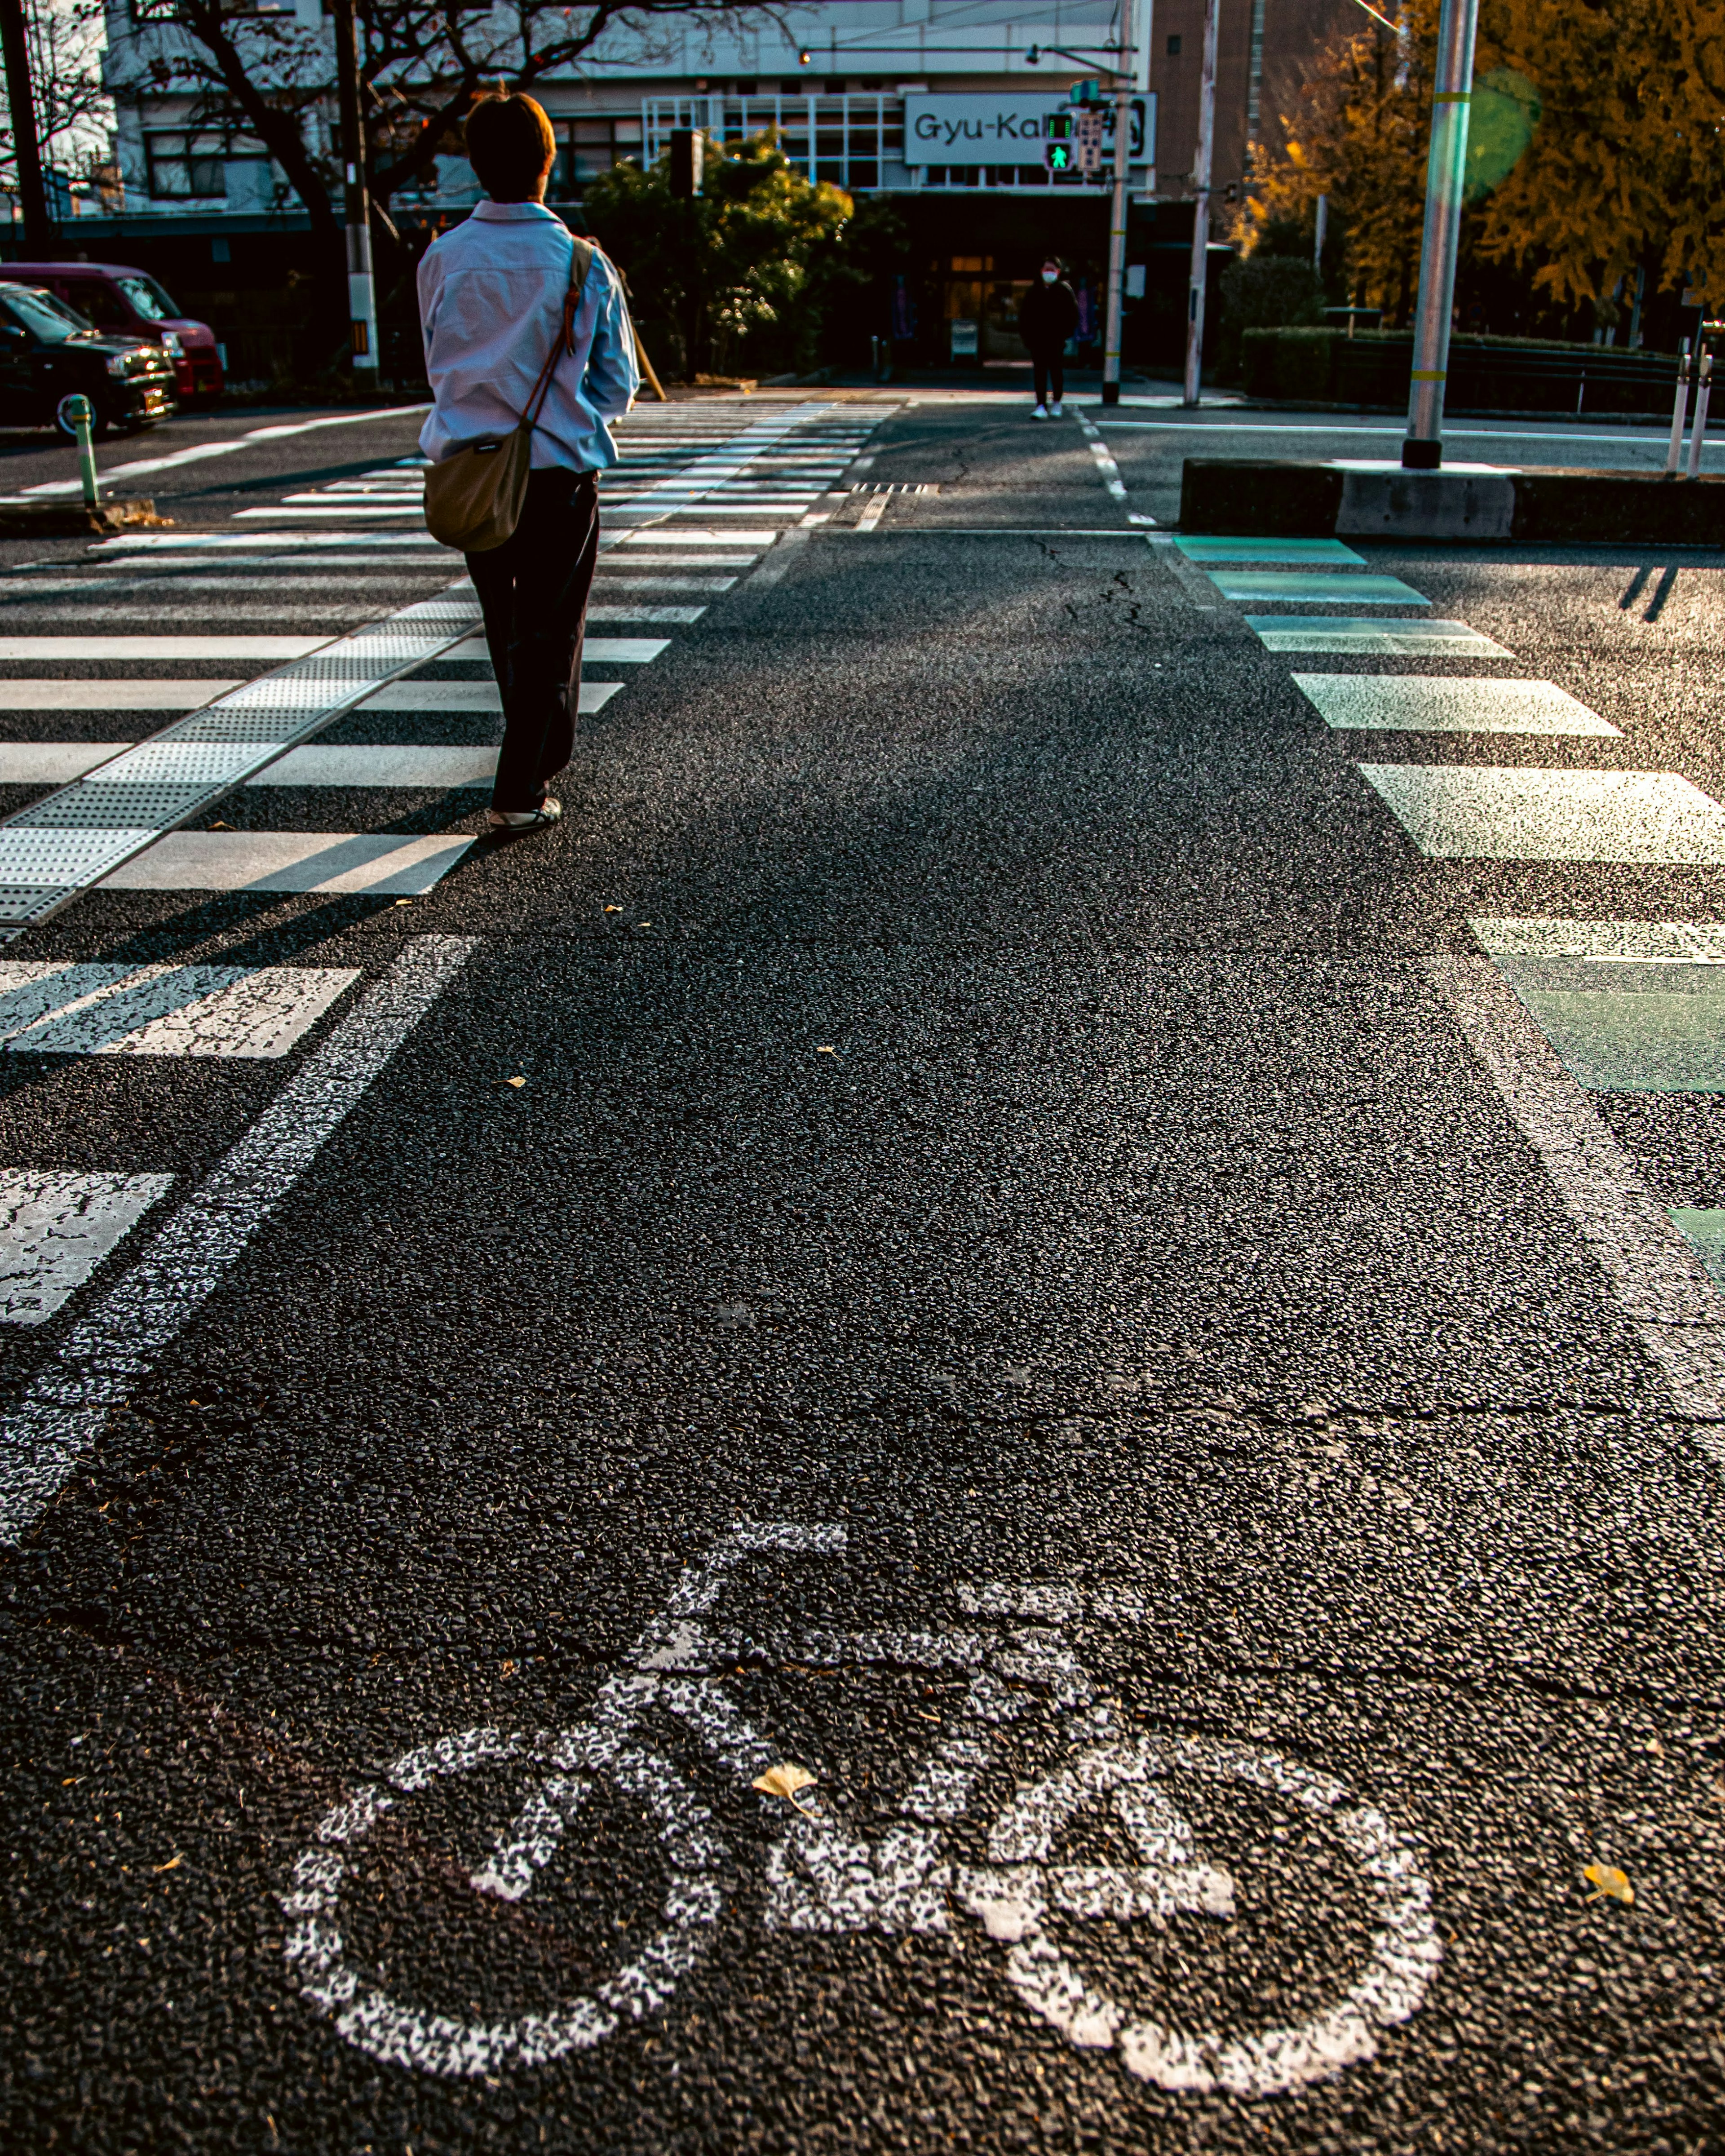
point(516, 1082)
point(784, 1780)
point(1608, 1883)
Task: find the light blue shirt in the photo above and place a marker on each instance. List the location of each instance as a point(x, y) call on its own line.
point(490, 301)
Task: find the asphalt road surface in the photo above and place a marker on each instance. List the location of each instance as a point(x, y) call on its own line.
point(990, 1418)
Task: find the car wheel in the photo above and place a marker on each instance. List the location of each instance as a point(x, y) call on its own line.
point(62, 423)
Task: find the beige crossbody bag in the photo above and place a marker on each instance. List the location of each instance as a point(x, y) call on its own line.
point(473, 495)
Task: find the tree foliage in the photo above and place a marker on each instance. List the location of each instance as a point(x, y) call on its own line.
point(731, 274)
point(1594, 147)
point(75, 114)
point(423, 62)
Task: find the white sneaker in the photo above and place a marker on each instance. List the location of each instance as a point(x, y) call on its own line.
point(527, 819)
point(1055, 411)
point(1040, 413)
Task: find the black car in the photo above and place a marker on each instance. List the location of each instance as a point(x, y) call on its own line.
point(50, 353)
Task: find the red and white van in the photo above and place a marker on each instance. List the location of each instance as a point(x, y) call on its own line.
point(122, 302)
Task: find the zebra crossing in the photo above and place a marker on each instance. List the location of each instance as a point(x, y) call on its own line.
point(699, 495)
point(680, 469)
point(1625, 1006)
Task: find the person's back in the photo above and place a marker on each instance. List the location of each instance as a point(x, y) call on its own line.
point(493, 308)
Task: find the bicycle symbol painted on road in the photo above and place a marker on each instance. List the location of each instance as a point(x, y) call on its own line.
point(821, 1875)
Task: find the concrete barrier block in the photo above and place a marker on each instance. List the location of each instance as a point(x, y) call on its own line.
point(1264, 497)
point(1436, 505)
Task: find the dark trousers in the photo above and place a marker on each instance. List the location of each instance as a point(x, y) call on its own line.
point(1050, 361)
point(532, 592)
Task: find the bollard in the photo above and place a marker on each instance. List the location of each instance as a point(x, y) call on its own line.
point(883, 359)
point(1698, 433)
point(79, 411)
point(1673, 454)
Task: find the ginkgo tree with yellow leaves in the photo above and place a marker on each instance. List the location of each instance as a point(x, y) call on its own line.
point(1596, 149)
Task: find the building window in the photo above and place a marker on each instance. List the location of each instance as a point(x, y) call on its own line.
point(1174, 48)
point(185, 164)
point(847, 140)
point(587, 147)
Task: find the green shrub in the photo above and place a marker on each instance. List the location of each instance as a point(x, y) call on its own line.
point(1265, 291)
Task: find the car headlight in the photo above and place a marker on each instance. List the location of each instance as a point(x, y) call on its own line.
point(116, 365)
point(171, 342)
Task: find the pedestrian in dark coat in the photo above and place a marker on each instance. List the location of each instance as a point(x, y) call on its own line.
point(1048, 315)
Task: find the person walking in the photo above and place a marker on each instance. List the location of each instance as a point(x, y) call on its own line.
point(1048, 315)
point(494, 312)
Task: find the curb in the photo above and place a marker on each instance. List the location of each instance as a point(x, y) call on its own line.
point(1284, 499)
point(48, 519)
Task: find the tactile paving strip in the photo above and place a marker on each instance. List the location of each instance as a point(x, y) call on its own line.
point(71, 838)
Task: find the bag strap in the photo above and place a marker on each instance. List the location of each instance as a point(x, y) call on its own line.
point(581, 261)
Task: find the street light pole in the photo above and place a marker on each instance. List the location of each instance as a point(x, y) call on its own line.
point(1445, 172)
point(32, 196)
point(1201, 205)
point(361, 292)
point(1123, 75)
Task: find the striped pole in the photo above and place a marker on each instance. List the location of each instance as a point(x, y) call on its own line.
point(1446, 170)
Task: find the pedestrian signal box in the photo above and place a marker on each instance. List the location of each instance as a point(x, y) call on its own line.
point(1088, 128)
point(1057, 142)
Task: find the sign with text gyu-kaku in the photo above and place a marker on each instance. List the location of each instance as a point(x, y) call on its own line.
point(1001, 128)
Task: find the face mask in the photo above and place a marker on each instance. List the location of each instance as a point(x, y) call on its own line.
point(1049, 276)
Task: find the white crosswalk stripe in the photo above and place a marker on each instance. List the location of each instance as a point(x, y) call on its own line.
point(55, 1229)
point(696, 497)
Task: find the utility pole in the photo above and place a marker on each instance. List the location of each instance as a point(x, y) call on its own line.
point(32, 196)
point(1201, 205)
point(1123, 74)
point(1424, 449)
point(361, 292)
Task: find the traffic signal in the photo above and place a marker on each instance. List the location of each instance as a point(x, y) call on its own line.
point(1057, 142)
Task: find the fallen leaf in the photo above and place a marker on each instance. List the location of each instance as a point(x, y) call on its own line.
point(220, 826)
point(71, 1779)
point(514, 1081)
point(784, 1780)
point(614, 909)
point(404, 902)
point(173, 1864)
point(1607, 1879)
point(644, 924)
point(826, 1051)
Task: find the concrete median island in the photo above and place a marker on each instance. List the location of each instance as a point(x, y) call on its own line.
point(1287, 497)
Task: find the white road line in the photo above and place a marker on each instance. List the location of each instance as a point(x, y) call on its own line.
point(347, 861)
point(1660, 1283)
point(48, 695)
point(471, 696)
point(412, 766)
point(252, 1012)
point(53, 763)
point(621, 577)
point(600, 651)
point(197, 452)
point(1388, 639)
point(1110, 470)
point(27, 648)
point(63, 1412)
point(672, 616)
point(305, 515)
point(1518, 813)
point(55, 1229)
point(873, 512)
point(216, 542)
point(1624, 440)
point(1447, 704)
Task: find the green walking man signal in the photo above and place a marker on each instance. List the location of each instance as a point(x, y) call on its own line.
point(1057, 142)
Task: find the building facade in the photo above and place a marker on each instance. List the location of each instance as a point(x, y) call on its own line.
point(936, 103)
